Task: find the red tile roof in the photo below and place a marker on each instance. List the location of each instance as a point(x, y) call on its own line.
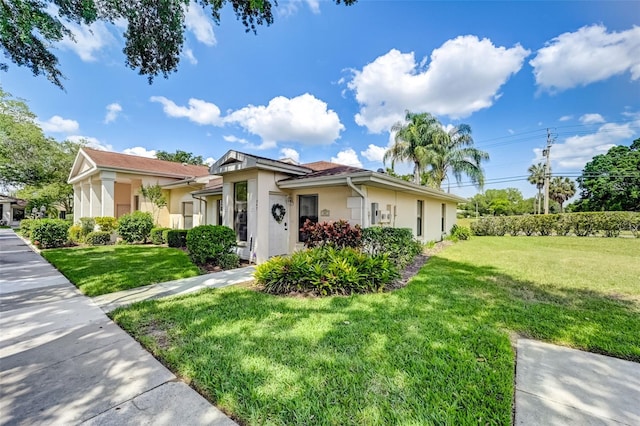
point(107, 159)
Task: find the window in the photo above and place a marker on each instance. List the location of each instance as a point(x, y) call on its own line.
point(419, 218)
point(307, 209)
point(240, 210)
point(444, 217)
point(136, 202)
point(187, 214)
point(219, 210)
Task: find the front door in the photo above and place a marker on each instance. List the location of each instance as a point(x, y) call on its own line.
point(278, 225)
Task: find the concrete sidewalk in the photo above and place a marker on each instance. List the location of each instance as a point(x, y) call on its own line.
point(562, 386)
point(62, 361)
point(111, 301)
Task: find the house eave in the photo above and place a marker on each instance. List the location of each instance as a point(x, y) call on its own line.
point(247, 162)
point(373, 179)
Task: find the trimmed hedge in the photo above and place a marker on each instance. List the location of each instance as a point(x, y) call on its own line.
point(75, 234)
point(608, 224)
point(98, 238)
point(135, 226)
point(398, 243)
point(49, 233)
point(158, 235)
point(207, 242)
point(107, 223)
point(326, 271)
point(176, 238)
point(88, 224)
point(25, 227)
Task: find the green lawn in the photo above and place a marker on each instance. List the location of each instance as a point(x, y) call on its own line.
point(106, 269)
point(435, 352)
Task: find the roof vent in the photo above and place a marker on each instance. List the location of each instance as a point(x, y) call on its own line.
point(381, 170)
point(185, 164)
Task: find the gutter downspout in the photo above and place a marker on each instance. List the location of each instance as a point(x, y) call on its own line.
point(361, 194)
point(200, 206)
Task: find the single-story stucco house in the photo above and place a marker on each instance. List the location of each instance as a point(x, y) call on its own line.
point(11, 210)
point(265, 201)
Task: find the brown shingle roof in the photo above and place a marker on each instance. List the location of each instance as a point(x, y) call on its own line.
point(107, 159)
point(318, 166)
point(335, 170)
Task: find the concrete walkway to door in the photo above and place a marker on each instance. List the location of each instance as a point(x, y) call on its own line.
point(63, 361)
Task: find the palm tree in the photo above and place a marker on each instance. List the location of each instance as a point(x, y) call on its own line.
point(412, 140)
point(561, 189)
point(453, 152)
point(536, 177)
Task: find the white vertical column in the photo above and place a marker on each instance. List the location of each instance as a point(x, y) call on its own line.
point(107, 180)
point(95, 201)
point(77, 202)
point(85, 211)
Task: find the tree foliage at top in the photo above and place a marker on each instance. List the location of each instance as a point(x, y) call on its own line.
point(36, 165)
point(536, 177)
point(435, 153)
point(498, 202)
point(611, 181)
point(561, 189)
point(180, 157)
point(154, 35)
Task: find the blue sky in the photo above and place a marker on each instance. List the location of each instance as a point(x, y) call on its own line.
point(326, 82)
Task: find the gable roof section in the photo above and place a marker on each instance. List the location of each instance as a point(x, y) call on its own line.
point(90, 160)
point(234, 161)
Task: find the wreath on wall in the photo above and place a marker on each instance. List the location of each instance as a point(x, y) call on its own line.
point(278, 211)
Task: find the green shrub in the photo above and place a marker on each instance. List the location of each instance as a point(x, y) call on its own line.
point(98, 238)
point(25, 227)
point(88, 224)
point(158, 235)
point(107, 223)
point(175, 237)
point(75, 234)
point(49, 233)
point(338, 234)
point(135, 226)
point(326, 271)
point(546, 223)
point(460, 232)
point(398, 243)
point(207, 242)
point(228, 261)
point(528, 224)
point(69, 218)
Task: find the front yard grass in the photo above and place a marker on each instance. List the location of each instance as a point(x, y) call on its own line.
point(436, 352)
point(101, 270)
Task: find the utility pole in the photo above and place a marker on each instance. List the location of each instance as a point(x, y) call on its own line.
point(547, 171)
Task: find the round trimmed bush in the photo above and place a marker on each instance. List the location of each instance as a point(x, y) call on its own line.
point(98, 238)
point(50, 233)
point(207, 242)
point(135, 226)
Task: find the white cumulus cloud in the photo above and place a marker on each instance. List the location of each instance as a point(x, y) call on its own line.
point(188, 53)
point(303, 119)
point(234, 139)
point(57, 124)
point(87, 41)
point(565, 118)
point(198, 111)
point(577, 150)
point(199, 24)
point(464, 75)
point(112, 112)
point(592, 119)
point(374, 152)
point(140, 152)
point(290, 153)
point(90, 142)
point(347, 157)
point(588, 55)
point(209, 161)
